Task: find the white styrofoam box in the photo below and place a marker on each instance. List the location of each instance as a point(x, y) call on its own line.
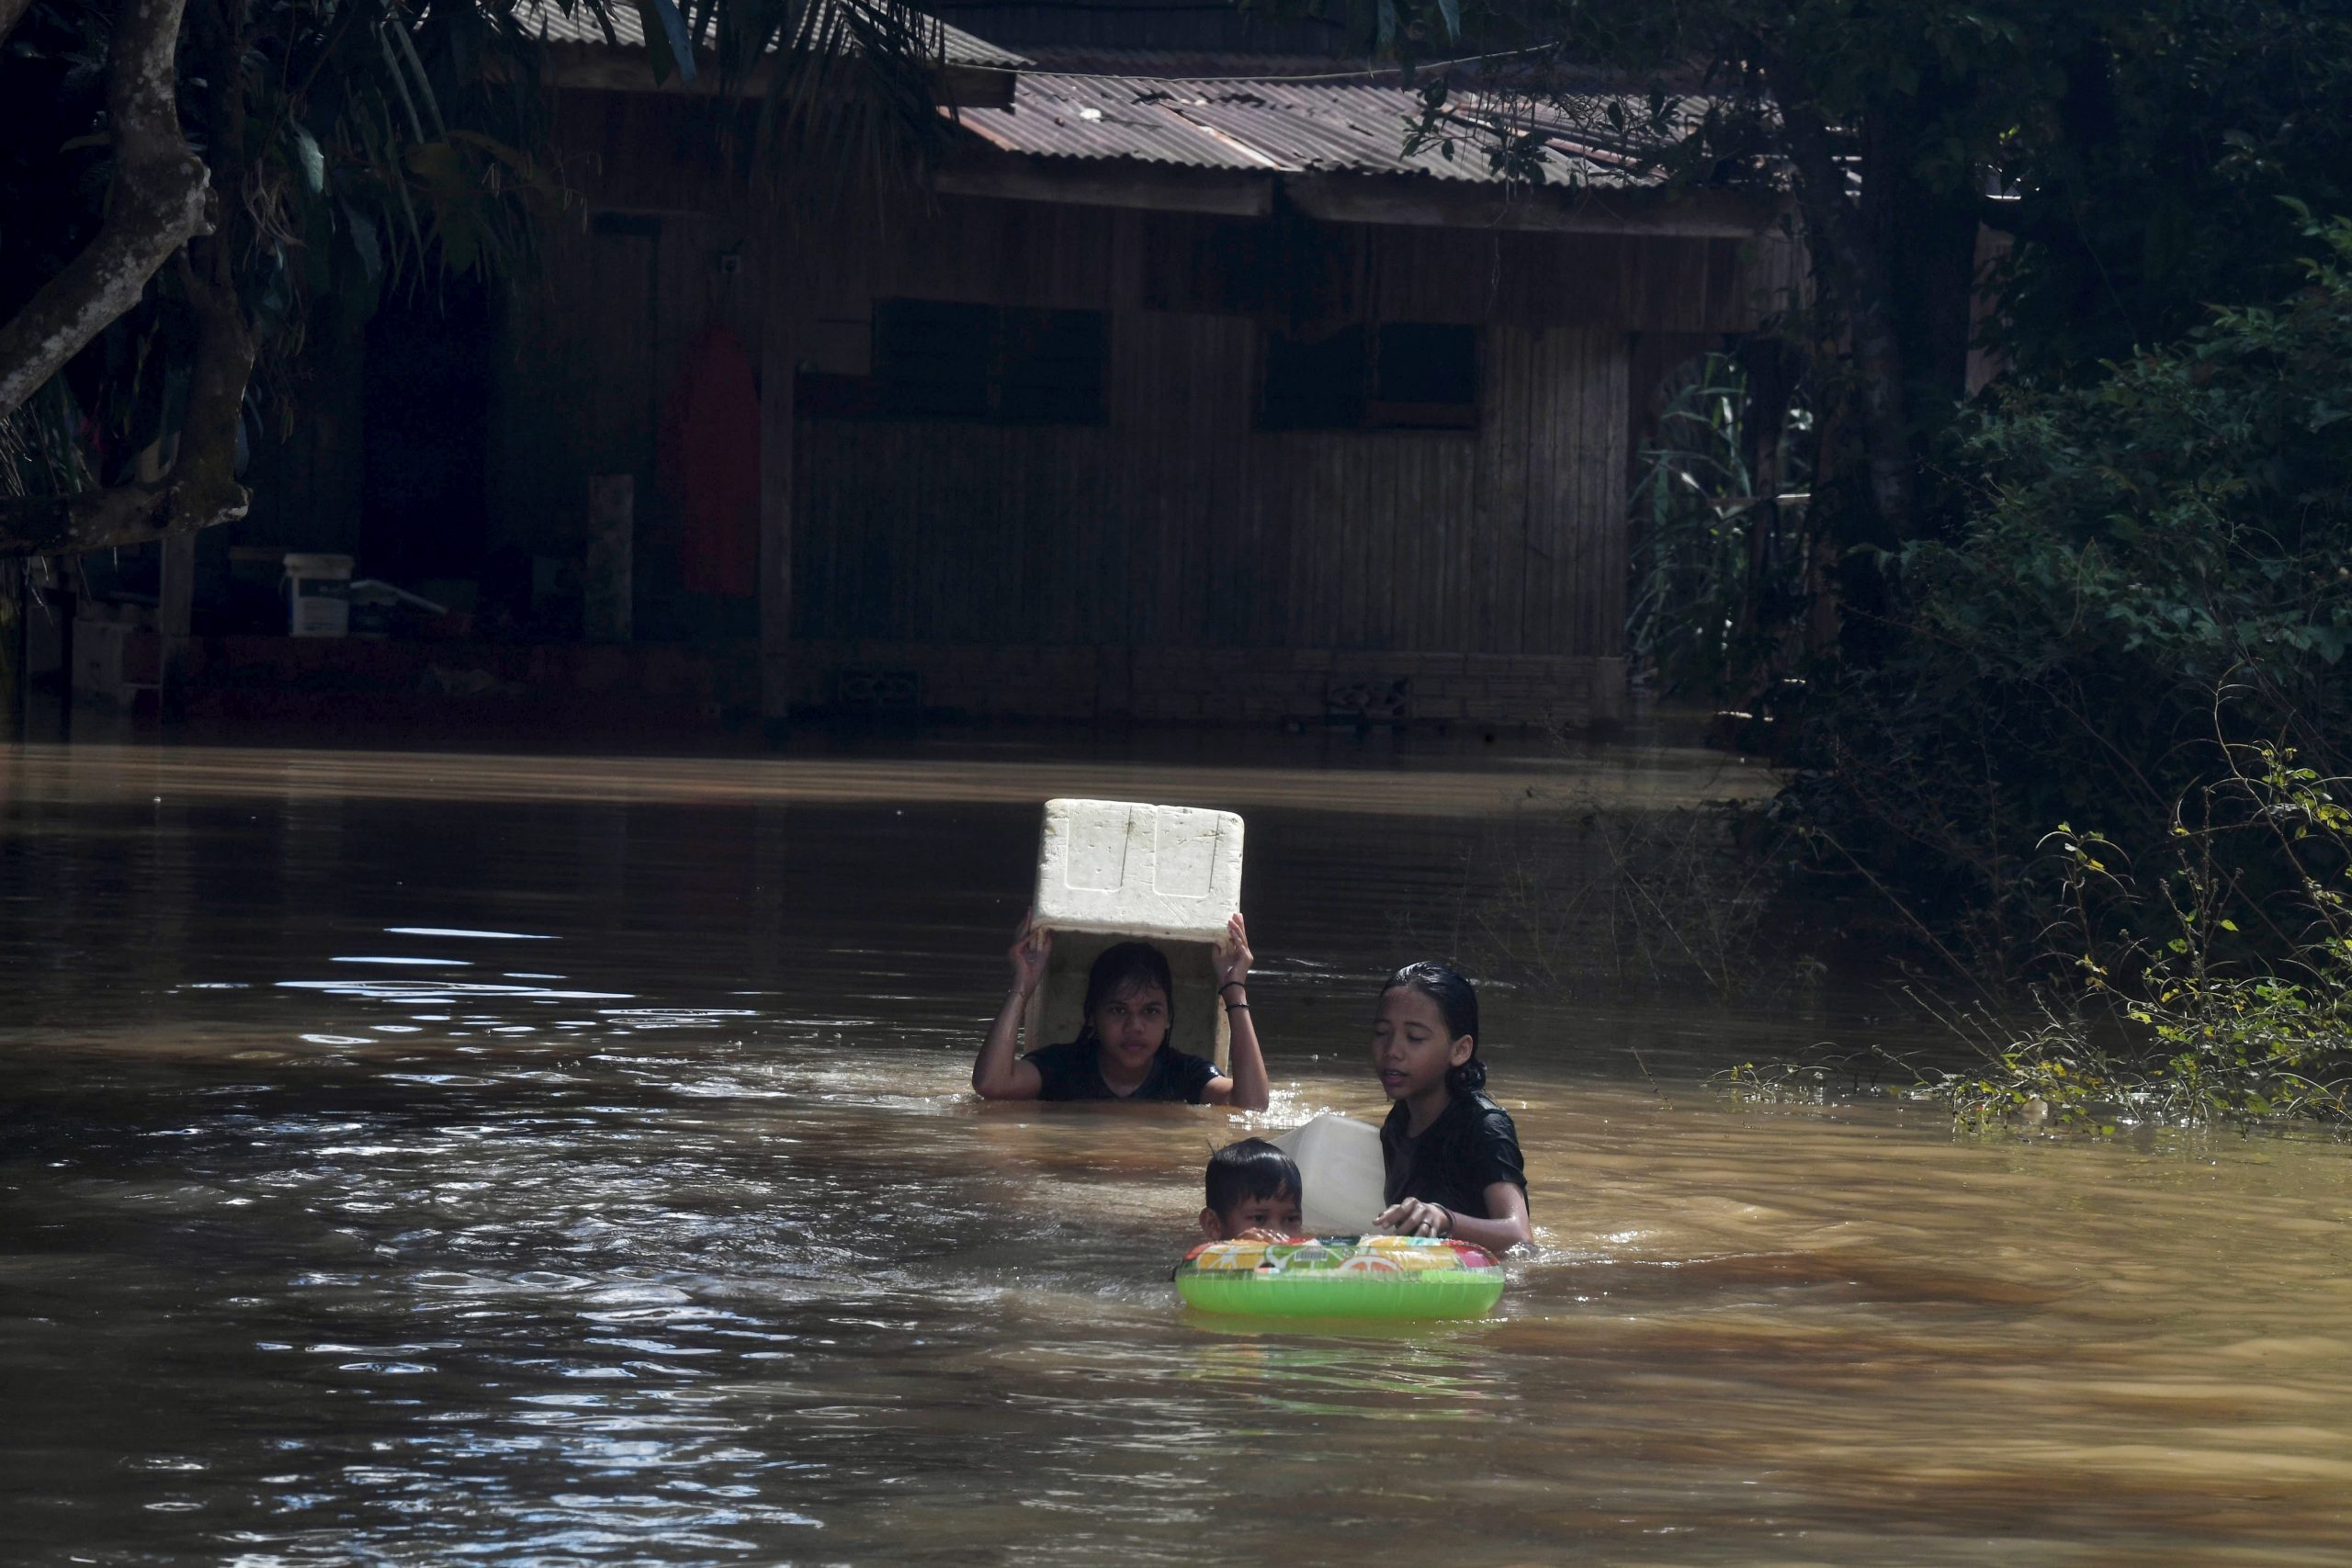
point(317, 594)
point(1142, 871)
point(1341, 1171)
point(1112, 870)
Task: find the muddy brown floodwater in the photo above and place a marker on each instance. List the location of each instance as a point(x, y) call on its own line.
point(427, 1160)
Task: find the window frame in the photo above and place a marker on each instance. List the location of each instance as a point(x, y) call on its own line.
point(1373, 415)
point(1010, 394)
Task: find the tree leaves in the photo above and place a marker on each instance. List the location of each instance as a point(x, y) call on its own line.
point(666, 40)
point(312, 159)
point(2151, 569)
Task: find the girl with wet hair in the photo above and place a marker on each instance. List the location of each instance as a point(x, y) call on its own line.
point(1123, 1053)
point(1451, 1154)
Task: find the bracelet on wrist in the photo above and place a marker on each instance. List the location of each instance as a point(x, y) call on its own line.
point(1237, 1007)
point(1229, 985)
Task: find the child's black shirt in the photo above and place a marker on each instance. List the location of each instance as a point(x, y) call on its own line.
point(1075, 1072)
point(1470, 1146)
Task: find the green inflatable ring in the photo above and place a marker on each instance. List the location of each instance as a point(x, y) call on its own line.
point(1396, 1277)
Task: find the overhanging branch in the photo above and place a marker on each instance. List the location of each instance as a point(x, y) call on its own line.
point(161, 198)
point(201, 490)
point(104, 519)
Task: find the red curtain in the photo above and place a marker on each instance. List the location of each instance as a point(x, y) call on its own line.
point(710, 463)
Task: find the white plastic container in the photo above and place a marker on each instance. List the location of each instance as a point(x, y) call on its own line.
point(1343, 1171)
point(318, 595)
point(1111, 871)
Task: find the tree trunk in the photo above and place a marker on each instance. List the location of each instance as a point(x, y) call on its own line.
point(11, 13)
point(161, 198)
point(158, 209)
point(1932, 227)
point(201, 489)
point(1856, 268)
point(12, 649)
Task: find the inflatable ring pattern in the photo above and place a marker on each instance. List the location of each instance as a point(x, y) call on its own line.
point(1400, 1277)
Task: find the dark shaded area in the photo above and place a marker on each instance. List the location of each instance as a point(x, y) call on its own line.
point(1386, 376)
point(997, 363)
point(425, 510)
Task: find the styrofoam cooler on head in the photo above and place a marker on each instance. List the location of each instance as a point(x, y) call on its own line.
point(1112, 870)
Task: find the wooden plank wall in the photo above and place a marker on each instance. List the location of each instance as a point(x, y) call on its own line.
point(1304, 272)
point(1176, 524)
point(1291, 270)
point(594, 346)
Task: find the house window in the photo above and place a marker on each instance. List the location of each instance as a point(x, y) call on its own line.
point(1314, 383)
point(1397, 375)
point(935, 360)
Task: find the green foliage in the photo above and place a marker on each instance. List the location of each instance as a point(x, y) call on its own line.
point(2190, 513)
point(2202, 1022)
point(2138, 145)
point(2154, 568)
point(2156, 189)
point(1718, 557)
point(37, 453)
point(357, 145)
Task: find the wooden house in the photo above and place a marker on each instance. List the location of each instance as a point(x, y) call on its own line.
point(1184, 392)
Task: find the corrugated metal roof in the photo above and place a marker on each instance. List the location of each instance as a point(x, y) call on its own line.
point(546, 20)
point(1292, 126)
point(1103, 116)
point(1200, 64)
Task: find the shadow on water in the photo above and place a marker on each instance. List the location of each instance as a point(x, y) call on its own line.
point(426, 1159)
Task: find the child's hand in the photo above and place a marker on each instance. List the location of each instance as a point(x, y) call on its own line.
point(1413, 1217)
point(1233, 953)
point(1030, 947)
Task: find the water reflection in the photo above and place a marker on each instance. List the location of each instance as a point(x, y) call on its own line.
point(699, 1252)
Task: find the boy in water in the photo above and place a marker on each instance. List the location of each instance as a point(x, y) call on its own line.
point(1254, 1194)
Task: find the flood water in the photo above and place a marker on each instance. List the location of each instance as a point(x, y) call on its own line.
point(429, 1159)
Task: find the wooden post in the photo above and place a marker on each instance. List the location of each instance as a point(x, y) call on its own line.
point(13, 674)
point(778, 367)
point(175, 616)
point(609, 591)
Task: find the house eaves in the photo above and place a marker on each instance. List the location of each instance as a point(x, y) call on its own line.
point(1336, 147)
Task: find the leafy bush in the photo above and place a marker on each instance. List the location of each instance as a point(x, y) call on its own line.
point(1719, 558)
point(2199, 1021)
point(2179, 530)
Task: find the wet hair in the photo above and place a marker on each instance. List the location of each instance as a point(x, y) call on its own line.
point(1457, 1003)
point(1251, 1168)
point(1123, 965)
